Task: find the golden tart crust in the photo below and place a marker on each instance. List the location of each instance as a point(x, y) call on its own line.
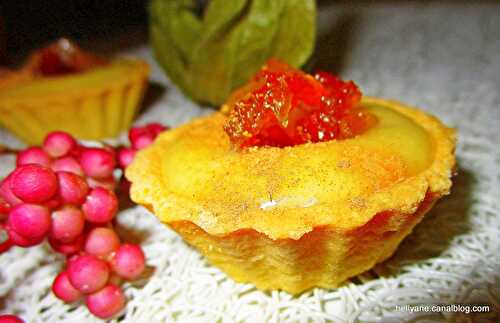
point(297, 217)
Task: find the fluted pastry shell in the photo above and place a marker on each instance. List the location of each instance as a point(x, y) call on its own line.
point(303, 216)
point(92, 105)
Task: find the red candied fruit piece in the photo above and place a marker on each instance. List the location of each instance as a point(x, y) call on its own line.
point(64, 57)
point(52, 64)
point(283, 106)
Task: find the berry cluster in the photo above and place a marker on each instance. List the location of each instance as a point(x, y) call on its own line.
point(64, 191)
point(140, 137)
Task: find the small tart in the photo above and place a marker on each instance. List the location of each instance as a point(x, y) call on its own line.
point(296, 217)
point(91, 98)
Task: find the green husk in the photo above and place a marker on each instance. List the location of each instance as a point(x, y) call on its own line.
point(209, 56)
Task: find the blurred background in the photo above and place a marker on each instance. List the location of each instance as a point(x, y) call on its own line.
point(27, 25)
point(112, 25)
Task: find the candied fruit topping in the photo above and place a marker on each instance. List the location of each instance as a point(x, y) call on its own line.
point(282, 106)
point(61, 58)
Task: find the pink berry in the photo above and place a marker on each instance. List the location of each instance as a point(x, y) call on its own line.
point(67, 164)
point(69, 248)
point(125, 157)
point(30, 221)
point(6, 191)
point(107, 302)
point(87, 273)
point(33, 155)
point(62, 288)
point(7, 318)
point(136, 132)
point(97, 162)
point(141, 137)
point(143, 141)
point(67, 224)
point(72, 188)
point(58, 144)
point(129, 261)
point(107, 183)
point(34, 183)
point(101, 205)
point(18, 240)
point(102, 242)
point(156, 128)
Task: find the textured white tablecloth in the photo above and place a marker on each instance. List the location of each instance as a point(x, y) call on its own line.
point(444, 58)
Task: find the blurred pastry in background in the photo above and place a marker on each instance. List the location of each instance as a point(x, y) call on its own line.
point(62, 87)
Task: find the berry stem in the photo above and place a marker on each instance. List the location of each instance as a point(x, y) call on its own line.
point(8, 150)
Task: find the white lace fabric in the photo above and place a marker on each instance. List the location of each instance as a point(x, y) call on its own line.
point(440, 57)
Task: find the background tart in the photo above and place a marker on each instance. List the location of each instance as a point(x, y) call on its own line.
point(297, 217)
point(97, 101)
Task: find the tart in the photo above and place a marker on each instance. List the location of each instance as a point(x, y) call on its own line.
point(291, 216)
point(61, 87)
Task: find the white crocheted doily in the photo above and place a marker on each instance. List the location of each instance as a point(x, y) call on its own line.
point(443, 58)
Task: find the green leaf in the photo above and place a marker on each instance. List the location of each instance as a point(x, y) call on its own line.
point(297, 26)
point(208, 68)
point(210, 56)
point(252, 40)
